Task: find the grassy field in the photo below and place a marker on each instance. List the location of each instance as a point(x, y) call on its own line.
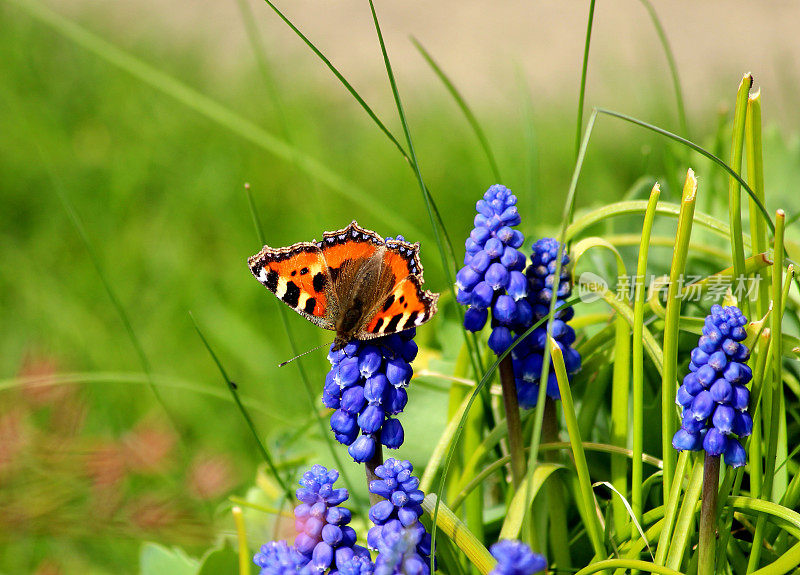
point(112, 190)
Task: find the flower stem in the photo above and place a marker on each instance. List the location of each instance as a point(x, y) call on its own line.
point(515, 446)
point(559, 534)
point(708, 515)
point(369, 468)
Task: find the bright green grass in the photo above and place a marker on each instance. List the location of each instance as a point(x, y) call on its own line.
point(159, 189)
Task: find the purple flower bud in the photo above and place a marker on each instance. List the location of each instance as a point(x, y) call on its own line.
point(742, 424)
point(718, 360)
point(381, 511)
point(475, 319)
point(706, 375)
point(552, 385)
point(480, 234)
point(686, 441)
point(714, 442)
point(480, 261)
point(463, 297)
point(371, 419)
point(369, 361)
point(735, 455)
point(497, 276)
point(699, 357)
point(331, 534)
point(517, 285)
point(500, 339)
point(721, 391)
point(347, 372)
point(707, 344)
point(398, 372)
point(467, 278)
point(409, 515)
point(353, 399)
point(723, 418)
point(304, 543)
point(397, 400)
point(504, 309)
point(374, 388)
point(510, 216)
point(692, 384)
point(482, 295)
point(737, 373)
point(343, 422)
point(741, 397)
point(684, 398)
point(691, 424)
point(322, 556)
point(362, 449)
point(494, 248)
point(338, 516)
point(703, 405)
point(392, 434)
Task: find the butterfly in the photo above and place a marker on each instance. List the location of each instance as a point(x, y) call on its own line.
point(353, 282)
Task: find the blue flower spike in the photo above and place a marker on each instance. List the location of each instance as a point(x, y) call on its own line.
point(366, 386)
point(713, 394)
point(278, 558)
point(528, 355)
point(403, 543)
point(492, 278)
point(516, 558)
point(323, 535)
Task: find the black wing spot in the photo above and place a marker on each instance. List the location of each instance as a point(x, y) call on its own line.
point(310, 305)
point(303, 271)
point(411, 319)
point(405, 305)
point(378, 325)
point(388, 303)
point(294, 272)
point(319, 282)
point(272, 280)
point(391, 327)
point(402, 299)
point(292, 295)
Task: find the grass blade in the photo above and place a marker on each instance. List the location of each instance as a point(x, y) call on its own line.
point(245, 414)
point(669, 376)
point(584, 72)
point(637, 397)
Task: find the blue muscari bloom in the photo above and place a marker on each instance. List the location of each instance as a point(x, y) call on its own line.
point(356, 565)
point(516, 558)
point(528, 355)
point(713, 394)
point(323, 536)
point(366, 386)
point(278, 558)
point(492, 277)
point(403, 543)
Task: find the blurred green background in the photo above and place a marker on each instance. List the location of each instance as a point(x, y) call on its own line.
point(92, 465)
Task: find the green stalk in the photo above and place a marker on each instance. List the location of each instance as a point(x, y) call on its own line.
point(683, 526)
point(771, 437)
point(515, 445)
point(245, 560)
point(734, 191)
point(593, 527)
point(458, 533)
point(620, 396)
point(369, 470)
point(638, 355)
point(673, 312)
point(584, 70)
point(755, 177)
point(556, 501)
point(671, 508)
point(708, 516)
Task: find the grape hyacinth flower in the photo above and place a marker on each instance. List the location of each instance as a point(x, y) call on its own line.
point(403, 543)
point(492, 277)
point(278, 558)
point(366, 386)
point(356, 565)
point(323, 535)
point(528, 354)
point(713, 394)
point(516, 558)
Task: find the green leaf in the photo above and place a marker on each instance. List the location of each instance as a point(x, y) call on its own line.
point(155, 559)
point(220, 561)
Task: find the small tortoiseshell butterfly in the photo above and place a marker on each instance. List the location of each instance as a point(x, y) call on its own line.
point(352, 282)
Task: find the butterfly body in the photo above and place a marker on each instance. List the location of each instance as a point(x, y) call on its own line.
point(352, 282)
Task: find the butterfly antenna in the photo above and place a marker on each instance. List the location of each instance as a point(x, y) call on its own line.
point(302, 354)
